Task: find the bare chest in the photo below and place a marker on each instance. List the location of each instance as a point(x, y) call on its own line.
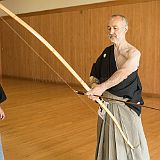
point(120, 59)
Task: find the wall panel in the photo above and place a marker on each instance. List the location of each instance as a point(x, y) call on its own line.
point(80, 36)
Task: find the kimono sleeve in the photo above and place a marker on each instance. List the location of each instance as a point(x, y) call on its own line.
point(96, 68)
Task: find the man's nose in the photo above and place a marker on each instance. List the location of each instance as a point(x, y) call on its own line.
point(111, 31)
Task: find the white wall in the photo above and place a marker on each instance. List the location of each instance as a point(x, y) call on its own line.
point(26, 6)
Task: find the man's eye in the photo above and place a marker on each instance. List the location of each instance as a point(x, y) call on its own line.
point(115, 28)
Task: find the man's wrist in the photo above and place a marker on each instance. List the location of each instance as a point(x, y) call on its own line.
point(104, 86)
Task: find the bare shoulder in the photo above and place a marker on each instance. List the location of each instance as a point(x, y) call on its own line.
point(133, 52)
point(132, 58)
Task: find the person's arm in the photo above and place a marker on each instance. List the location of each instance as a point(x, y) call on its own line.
point(126, 69)
point(2, 99)
point(122, 73)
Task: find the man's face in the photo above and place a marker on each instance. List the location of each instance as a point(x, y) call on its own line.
point(116, 29)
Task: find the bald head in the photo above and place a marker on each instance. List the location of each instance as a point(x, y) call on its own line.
point(122, 18)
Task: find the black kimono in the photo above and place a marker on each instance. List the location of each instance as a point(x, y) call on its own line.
point(130, 88)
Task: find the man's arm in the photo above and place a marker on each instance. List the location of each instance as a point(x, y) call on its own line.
point(122, 73)
point(126, 69)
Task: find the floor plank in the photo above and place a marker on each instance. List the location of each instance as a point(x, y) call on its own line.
point(50, 122)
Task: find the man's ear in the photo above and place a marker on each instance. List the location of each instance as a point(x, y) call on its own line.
point(126, 28)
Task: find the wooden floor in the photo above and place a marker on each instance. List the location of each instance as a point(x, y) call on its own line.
point(50, 122)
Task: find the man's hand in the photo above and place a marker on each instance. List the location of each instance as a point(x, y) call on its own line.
point(2, 115)
point(97, 90)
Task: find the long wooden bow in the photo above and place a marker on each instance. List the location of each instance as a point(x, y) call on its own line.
point(30, 29)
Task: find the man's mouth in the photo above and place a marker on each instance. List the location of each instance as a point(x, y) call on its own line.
point(112, 36)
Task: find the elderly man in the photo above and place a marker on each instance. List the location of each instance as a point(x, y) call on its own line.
point(115, 76)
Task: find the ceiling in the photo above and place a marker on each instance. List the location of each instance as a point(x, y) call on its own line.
point(27, 6)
